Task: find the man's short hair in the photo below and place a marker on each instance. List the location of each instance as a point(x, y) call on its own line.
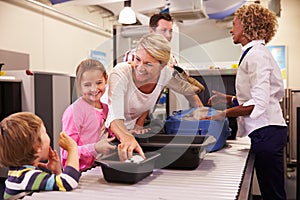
point(153, 23)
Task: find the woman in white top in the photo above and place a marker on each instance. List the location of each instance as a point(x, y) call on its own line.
point(135, 87)
point(259, 88)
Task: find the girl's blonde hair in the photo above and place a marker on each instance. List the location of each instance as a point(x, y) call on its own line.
point(19, 136)
point(259, 22)
point(86, 65)
point(157, 46)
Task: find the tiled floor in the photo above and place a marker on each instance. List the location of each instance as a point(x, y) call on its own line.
point(291, 183)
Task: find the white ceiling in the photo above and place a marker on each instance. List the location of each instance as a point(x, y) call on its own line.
point(144, 6)
point(201, 29)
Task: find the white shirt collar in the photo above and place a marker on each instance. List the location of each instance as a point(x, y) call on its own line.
point(252, 43)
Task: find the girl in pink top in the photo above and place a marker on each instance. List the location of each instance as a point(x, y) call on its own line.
point(84, 119)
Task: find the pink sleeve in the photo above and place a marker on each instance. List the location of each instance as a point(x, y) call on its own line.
point(86, 152)
point(105, 113)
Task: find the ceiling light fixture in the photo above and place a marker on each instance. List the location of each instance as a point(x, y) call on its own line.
point(127, 15)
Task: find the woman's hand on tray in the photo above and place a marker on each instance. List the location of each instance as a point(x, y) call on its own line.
point(127, 146)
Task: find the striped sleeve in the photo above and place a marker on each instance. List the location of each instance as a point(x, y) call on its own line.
point(38, 180)
point(66, 181)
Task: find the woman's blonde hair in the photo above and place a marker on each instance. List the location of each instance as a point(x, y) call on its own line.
point(86, 65)
point(19, 136)
point(157, 46)
point(259, 22)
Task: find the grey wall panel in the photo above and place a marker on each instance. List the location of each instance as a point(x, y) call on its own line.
point(73, 93)
point(294, 96)
point(61, 100)
point(298, 154)
point(44, 101)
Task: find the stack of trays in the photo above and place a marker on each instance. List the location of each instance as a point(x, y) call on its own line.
point(176, 151)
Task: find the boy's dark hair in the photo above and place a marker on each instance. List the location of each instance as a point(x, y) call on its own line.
point(156, 17)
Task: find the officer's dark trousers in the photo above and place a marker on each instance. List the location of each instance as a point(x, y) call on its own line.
point(268, 144)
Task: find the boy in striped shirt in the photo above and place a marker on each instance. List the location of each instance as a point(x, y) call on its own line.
point(24, 143)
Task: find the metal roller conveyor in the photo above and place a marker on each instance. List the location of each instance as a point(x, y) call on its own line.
point(219, 176)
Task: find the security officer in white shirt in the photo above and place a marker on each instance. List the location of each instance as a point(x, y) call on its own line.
point(259, 89)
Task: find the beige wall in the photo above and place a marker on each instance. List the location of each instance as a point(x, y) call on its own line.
point(288, 34)
point(54, 42)
point(57, 44)
point(224, 50)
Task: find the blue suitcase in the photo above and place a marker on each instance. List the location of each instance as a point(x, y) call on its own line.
point(182, 122)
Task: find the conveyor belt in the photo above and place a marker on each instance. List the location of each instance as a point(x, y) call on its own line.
point(218, 176)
